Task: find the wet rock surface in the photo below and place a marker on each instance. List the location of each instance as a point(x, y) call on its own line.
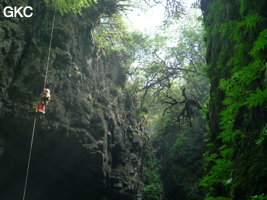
point(84, 145)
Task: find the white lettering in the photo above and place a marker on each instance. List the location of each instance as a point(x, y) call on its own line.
point(10, 11)
point(17, 11)
point(24, 11)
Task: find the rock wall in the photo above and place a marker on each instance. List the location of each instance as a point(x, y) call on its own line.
point(84, 145)
point(237, 165)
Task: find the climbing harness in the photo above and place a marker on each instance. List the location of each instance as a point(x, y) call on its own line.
point(34, 122)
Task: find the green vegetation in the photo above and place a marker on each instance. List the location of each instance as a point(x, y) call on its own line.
point(65, 6)
point(182, 163)
point(167, 81)
point(153, 188)
point(241, 70)
point(104, 7)
point(259, 197)
point(166, 77)
point(169, 84)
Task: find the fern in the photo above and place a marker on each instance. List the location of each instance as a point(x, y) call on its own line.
point(243, 6)
point(251, 21)
point(224, 84)
point(238, 89)
point(226, 151)
point(219, 173)
point(259, 44)
point(257, 98)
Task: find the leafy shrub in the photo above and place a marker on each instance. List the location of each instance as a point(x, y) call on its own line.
point(259, 197)
point(65, 6)
point(151, 191)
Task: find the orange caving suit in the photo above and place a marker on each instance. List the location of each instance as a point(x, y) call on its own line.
point(44, 99)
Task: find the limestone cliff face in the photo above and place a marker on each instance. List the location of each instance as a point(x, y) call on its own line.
point(84, 146)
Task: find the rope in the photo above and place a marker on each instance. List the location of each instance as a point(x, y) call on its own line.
point(34, 122)
point(29, 160)
point(49, 52)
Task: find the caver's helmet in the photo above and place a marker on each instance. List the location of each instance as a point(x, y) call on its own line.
point(46, 90)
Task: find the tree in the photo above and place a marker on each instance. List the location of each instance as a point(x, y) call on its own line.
point(174, 90)
point(172, 60)
point(65, 6)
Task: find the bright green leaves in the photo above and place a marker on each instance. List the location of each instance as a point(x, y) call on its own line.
point(226, 151)
point(242, 77)
point(259, 44)
point(151, 192)
point(251, 21)
point(65, 6)
point(210, 158)
point(224, 85)
point(243, 6)
point(153, 187)
point(112, 33)
point(219, 173)
point(232, 102)
point(245, 64)
point(171, 57)
point(257, 98)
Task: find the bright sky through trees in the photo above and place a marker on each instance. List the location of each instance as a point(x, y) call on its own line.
point(148, 21)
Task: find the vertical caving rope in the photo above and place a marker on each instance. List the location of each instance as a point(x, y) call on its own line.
point(49, 51)
point(26, 180)
point(34, 122)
